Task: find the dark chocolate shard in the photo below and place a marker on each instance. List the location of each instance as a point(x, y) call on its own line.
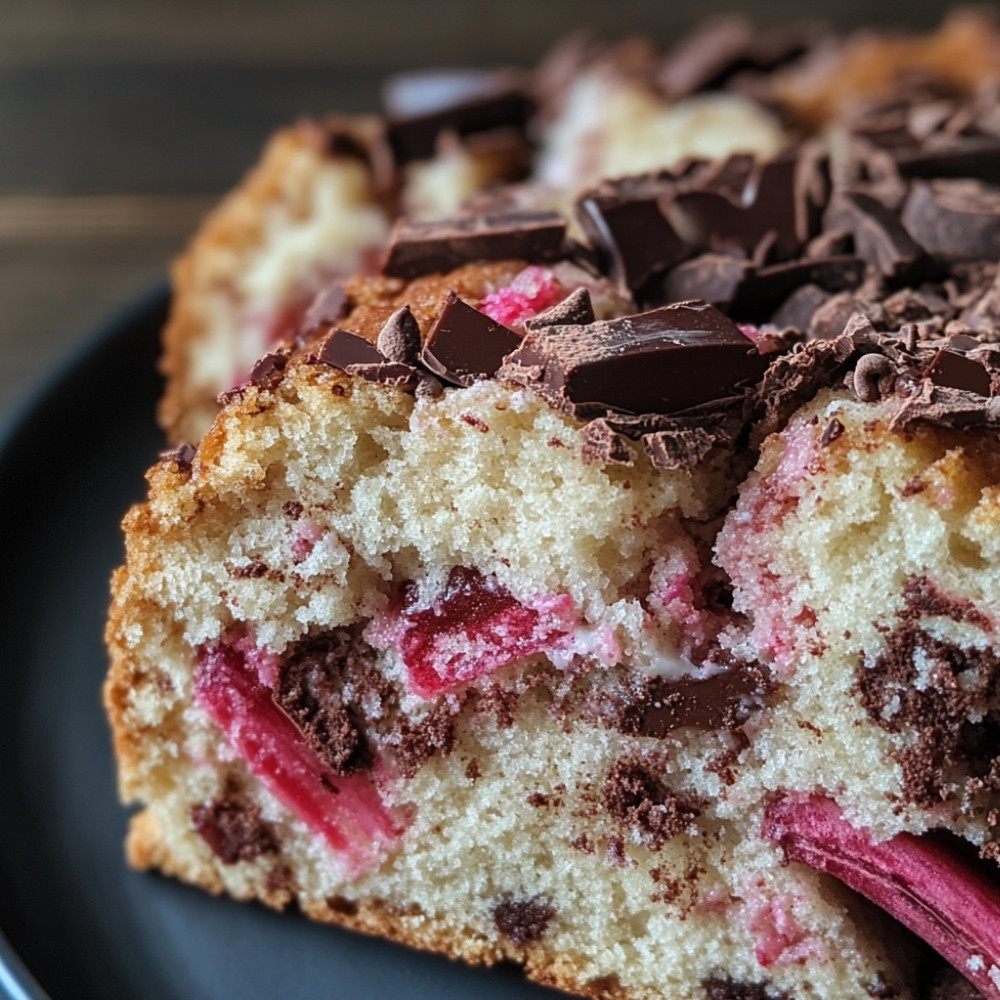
point(972, 156)
point(955, 370)
point(738, 208)
point(421, 106)
point(576, 308)
point(955, 220)
point(879, 236)
point(270, 365)
point(799, 308)
point(633, 235)
point(418, 248)
point(763, 290)
point(340, 348)
point(661, 361)
point(399, 338)
point(712, 277)
point(329, 306)
point(465, 345)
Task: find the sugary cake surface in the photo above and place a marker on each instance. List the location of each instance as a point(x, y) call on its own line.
point(615, 594)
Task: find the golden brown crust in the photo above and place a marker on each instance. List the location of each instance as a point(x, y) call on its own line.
point(218, 254)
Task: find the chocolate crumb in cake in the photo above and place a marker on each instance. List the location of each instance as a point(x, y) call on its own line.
point(523, 921)
point(636, 798)
point(729, 989)
point(232, 826)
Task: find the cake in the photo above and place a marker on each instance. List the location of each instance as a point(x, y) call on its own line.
point(609, 583)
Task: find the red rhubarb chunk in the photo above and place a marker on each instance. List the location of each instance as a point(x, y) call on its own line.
point(924, 882)
point(346, 811)
point(473, 627)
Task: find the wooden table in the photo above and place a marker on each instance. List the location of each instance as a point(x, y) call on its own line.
point(121, 122)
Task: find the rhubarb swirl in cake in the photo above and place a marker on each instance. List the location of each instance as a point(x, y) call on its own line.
point(617, 595)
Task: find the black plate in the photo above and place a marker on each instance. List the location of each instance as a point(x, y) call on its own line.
point(77, 923)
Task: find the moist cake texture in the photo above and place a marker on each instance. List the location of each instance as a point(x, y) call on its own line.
point(605, 582)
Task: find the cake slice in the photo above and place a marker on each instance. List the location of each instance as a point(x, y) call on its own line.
point(616, 595)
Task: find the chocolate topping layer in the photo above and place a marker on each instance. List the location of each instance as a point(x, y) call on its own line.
point(418, 248)
point(661, 361)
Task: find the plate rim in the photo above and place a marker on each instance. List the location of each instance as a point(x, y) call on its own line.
point(17, 982)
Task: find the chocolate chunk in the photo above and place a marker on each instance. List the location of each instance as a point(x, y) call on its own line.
point(712, 277)
point(976, 157)
point(799, 308)
point(310, 690)
point(465, 344)
point(523, 920)
point(399, 338)
point(701, 59)
point(418, 248)
point(833, 430)
point(329, 307)
point(652, 813)
point(341, 349)
point(661, 361)
point(633, 236)
point(953, 369)
point(955, 220)
point(723, 701)
point(772, 198)
point(879, 237)
point(268, 366)
point(232, 827)
point(182, 456)
point(762, 290)
point(575, 309)
point(421, 106)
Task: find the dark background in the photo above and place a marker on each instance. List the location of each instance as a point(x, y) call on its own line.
point(122, 120)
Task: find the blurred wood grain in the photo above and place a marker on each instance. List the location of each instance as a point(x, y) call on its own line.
point(121, 122)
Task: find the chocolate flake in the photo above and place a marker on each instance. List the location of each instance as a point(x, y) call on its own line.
point(418, 248)
point(465, 345)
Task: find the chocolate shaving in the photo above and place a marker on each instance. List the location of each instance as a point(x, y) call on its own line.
point(232, 827)
point(602, 444)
